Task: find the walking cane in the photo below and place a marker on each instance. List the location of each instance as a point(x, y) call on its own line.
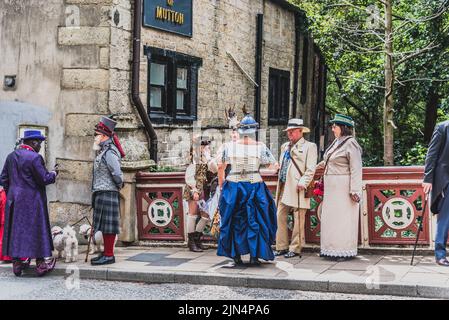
point(90, 237)
point(88, 243)
point(420, 227)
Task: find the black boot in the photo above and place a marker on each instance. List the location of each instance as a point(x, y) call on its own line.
point(254, 261)
point(191, 243)
point(238, 261)
point(103, 260)
point(197, 238)
point(97, 257)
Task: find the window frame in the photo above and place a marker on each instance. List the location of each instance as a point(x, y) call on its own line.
point(163, 108)
point(278, 96)
point(174, 60)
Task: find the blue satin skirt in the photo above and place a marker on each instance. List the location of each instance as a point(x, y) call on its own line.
point(248, 220)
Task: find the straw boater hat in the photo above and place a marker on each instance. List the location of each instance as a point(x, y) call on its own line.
point(343, 120)
point(297, 124)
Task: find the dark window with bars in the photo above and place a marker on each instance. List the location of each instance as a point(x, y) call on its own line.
point(305, 70)
point(172, 86)
point(278, 97)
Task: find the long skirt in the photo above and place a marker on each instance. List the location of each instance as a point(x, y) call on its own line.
point(248, 220)
point(2, 223)
point(339, 218)
point(107, 212)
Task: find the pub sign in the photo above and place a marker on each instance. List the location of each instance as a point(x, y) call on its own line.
point(169, 15)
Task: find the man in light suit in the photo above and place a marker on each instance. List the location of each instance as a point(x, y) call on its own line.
point(296, 154)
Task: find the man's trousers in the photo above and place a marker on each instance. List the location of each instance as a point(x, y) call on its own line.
point(298, 235)
point(442, 228)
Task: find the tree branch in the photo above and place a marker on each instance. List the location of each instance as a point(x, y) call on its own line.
point(369, 50)
point(417, 53)
point(348, 100)
point(364, 82)
point(441, 10)
point(423, 79)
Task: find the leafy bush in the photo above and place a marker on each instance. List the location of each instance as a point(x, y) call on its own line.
point(158, 168)
point(415, 156)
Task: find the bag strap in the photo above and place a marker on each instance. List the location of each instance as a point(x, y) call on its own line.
point(294, 162)
point(333, 151)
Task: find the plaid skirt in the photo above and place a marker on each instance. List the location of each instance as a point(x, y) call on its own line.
point(107, 212)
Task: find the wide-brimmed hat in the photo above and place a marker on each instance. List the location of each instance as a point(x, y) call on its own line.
point(248, 125)
point(106, 126)
point(33, 135)
point(297, 124)
point(343, 120)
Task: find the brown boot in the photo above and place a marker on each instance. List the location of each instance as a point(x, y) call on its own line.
point(197, 238)
point(191, 243)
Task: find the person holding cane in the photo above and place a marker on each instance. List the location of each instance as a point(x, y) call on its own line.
point(435, 182)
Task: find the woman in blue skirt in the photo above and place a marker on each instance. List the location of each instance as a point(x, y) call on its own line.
point(247, 208)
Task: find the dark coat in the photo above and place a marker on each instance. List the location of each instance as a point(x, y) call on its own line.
point(436, 169)
point(27, 226)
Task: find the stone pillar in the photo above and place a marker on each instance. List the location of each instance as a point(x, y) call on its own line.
point(137, 158)
point(106, 28)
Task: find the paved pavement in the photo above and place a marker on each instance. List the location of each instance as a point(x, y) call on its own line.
point(367, 274)
point(63, 288)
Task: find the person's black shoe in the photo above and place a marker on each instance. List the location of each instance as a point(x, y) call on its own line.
point(103, 260)
point(96, 258)
point(238, 261)
point(280, 252)
point(291, 254)
point(254, 261)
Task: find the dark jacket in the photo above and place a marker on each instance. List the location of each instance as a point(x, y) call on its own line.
point(436, 169)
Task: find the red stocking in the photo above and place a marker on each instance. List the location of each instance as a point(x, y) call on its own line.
point(109, 240)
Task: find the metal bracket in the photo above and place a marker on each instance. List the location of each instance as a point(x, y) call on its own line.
point(241, 69)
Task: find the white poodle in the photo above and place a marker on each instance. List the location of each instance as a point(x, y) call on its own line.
point(97, 244)
point(70, 244)
point(65, 242)
point(58, 240)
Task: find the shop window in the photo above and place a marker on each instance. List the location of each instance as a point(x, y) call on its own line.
point(172, 86)
point(278, 97)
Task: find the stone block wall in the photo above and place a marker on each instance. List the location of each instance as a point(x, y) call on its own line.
point(72, 58)
point(228, 27)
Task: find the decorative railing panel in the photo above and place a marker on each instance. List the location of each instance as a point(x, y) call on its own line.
point(393, 212)
point(160, 209)
point(392, 203)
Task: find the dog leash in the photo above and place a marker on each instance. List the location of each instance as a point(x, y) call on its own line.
point(84, 217)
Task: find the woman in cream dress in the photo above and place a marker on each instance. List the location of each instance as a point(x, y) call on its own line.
point(342, 192)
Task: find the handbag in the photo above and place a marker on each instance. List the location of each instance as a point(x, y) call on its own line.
point(308, 193)
point(318, 188)
point(215, 227)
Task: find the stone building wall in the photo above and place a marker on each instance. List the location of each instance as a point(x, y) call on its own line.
point(229, 27)
point(72, 59)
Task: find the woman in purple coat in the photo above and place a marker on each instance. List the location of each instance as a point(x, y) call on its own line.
point(27, 227)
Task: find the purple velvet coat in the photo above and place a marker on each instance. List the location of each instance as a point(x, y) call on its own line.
point(27, 226)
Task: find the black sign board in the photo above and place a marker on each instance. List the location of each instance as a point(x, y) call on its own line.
point(169, 15)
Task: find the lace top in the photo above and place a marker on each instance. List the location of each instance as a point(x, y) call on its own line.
point(245, 161)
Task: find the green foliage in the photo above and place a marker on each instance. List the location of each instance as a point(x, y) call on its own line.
point(415, 156)
point(342, 30)
point(158, 168)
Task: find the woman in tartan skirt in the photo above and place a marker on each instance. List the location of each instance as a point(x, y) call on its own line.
point(106, 185)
